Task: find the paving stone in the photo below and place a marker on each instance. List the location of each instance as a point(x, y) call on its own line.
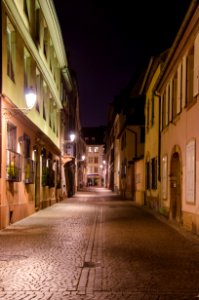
point(96, 246)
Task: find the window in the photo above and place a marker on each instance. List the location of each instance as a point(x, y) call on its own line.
point(50, 113)
point(96, 160)
point(44, 167)
point(11, 137)
point(164, 177)
point(147, 116)
point(38, 89)
point(53, 117)
point(179, 86)
point(90, 170)
point(11, 49)
point(29, 165)
point(167, 105)
point(90, 160)
point(152, 109)
point(46, 48)
point(96, 149)
point(189, 76)
point(164, 110)
point(44, 99)
point(27, 69)
point(169, 102)
point(37, 24)
point(58, 174)
point(26, 144)
point(95, 169)
point(25, 7)
point(148, 175)
point(174, 96)
point(13, 159)
point(123, 168)
point(154, 173)
point(90, 149)
point(50, 171)
point(52, 60)
point(13, 166)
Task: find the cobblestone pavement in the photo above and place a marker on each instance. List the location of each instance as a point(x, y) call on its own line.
point(96, 246)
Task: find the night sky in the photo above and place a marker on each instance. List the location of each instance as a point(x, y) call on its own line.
point(109, 42)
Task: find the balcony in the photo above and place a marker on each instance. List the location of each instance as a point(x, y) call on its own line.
point(29, 171)
point(13, 166)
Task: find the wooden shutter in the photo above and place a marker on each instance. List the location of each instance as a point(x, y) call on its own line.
point(179, 74)
point(184, 82)
point(196, 67)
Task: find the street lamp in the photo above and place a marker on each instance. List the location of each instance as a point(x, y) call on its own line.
point(30, 97)
point(72, 137)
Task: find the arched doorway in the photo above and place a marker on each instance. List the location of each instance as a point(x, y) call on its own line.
point(175, 188)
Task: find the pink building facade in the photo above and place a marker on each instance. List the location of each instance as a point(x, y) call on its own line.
point(178, 91)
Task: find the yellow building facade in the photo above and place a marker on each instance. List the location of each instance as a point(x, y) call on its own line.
point(178, 87)
point(152, 138)
point(33, 57)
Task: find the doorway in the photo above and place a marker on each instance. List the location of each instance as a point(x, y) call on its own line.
point(175, 188)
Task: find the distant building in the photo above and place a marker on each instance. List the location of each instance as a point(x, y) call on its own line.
point(125, 139)
point(95, 163)
point(152, 140)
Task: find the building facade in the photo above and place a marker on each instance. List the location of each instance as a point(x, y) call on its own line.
point(178, 87)
point(152, 132)
point(125, 140)
point(95, 164)
point(33, 56)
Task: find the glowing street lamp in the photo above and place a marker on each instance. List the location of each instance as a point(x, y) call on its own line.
point(72, 137)
point(31, 98)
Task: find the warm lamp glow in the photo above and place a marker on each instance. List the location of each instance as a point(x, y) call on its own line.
point(30, 98)
point(72, 137)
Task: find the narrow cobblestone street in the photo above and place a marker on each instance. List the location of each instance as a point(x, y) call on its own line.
point(96, 246)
